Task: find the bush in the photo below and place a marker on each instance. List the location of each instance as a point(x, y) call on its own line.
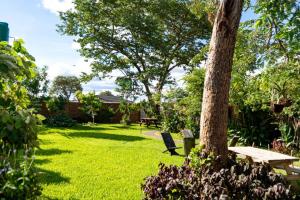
point(18, 178)
point(56, 104)
point(202, 178)
point(19, 128)
point(105, 115)
point(254, 126)
point(60, 120)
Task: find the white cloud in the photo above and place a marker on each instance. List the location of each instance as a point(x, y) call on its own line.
point(75, 68)
point(56, 6)
point(75, 45)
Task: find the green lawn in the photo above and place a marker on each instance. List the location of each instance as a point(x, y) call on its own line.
point(105, 161)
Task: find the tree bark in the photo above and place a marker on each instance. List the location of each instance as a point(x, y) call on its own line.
point(214, 115)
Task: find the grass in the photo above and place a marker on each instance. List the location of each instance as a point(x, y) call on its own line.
point(105, 161)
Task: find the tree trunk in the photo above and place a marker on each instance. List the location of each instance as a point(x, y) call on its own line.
point(93, 116)
point(214, 115)
point(154, 106)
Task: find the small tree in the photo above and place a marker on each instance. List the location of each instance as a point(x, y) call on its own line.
point(91, 104)
point(65, 86)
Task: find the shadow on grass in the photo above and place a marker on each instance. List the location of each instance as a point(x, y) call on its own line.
point(50, 152)
point(41, 161)
point(51, 177)
point(99, 135)
point(43, 130)
point(96, 127)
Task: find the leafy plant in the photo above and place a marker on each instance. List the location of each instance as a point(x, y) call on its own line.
point(60, 120)
point(105, 114)
point(56, 104)
point(206, 180)
point(19, 128)
point(91, 103)
point(18, 177)
point(18, 124)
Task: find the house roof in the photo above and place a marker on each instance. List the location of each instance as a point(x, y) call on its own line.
point(110, 99)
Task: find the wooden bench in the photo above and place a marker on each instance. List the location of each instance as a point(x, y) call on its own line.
point(170, 144)
point(276, 160)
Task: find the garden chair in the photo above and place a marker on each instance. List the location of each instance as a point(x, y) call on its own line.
point(170, 144)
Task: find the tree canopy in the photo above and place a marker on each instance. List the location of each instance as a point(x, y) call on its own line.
point(65, 86)
point(144, 40)
point(91, 103)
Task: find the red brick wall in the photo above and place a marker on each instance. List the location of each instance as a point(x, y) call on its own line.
point(73, 110)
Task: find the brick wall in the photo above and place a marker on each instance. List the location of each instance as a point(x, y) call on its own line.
point(73, 110)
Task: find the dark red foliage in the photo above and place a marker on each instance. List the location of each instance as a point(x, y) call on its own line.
point(238, 180)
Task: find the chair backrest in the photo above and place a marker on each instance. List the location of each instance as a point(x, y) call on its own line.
point(168, 140)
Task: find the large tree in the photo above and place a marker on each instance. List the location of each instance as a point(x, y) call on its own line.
point(276, 33)
point(213, 123)
point(145, 40)
point(65, 86)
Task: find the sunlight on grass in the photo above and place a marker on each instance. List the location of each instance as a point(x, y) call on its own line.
point(105, 161)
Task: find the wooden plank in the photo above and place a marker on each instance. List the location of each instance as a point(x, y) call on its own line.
point(292, 177)
point(262, 154)
point(291, 168)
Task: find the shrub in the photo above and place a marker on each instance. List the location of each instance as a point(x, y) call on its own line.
point(60, 120)
point(254, 126)
point(56, 104)
point(19, 128)
point(105, 115)
point(204, 179)
point(18, 177)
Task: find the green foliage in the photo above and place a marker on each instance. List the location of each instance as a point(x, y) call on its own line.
point(254, 126)
point(91, 103)
point(19, 128)
point(38, 85)
point(65, 86)
point(56, 104)
point(16, 65)
point(194, 82)
point(105, 114)
point(60, 120)
point(173, 118)
point(266, 72)
point(182, 107)
point(145, 40)
point(18, 124)
point(18, 178)
point(279, 22)
point(197, 158)
point(126, 108)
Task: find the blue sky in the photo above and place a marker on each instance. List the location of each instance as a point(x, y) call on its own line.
point(35, 21)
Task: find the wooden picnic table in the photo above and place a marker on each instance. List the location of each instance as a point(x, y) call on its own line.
point(149, 121)
point(275, 159)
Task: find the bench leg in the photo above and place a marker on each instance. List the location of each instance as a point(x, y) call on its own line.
point(173, 152)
